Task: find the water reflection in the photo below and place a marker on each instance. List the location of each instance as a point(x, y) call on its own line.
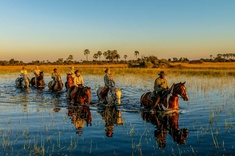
point(166, 123)
point(80, 115)
point(112, 116)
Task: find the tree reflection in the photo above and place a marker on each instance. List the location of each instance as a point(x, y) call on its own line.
point(164, 123)
point(80, 115)
point(112, 116)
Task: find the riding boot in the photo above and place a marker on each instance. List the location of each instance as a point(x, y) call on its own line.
point(157, 101)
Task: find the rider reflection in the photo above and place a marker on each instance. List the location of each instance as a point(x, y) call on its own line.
point(166, 123)
point(112, 116)
point(80, 115)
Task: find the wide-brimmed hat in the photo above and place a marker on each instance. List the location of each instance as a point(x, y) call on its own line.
point(106, 70)
point(77, 71)
point(161, 73)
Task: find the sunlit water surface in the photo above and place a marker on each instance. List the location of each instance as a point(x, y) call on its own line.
point(37, 122)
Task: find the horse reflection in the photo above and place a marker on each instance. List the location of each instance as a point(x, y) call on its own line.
point(112, 116)
point(80, 115)
point(164, 123)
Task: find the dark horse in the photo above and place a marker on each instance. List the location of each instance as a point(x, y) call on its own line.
point(58, 86)
point(166, 123)
point(40, 81)
point(80, 115)
point(169, 100)
point(22, 82)
point(80, 95)
point(69, 83)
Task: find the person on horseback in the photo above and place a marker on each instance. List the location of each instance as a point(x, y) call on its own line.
point(160, 86)
point(23, 73)
point(108, 82)
point(78, 83)
point(36, 72)
point(53, 76)
point(72, 71)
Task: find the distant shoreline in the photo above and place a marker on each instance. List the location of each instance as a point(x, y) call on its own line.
point(213, 69)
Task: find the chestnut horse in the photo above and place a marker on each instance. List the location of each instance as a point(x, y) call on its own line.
point(58, 84)
point(169, 101)
point(40, 81)
point(114, 94)
point(69, 83)
point(80, 95)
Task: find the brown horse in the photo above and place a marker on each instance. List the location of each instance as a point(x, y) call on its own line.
point(69, 83)
point(166, 123)
point(80, 95)
point(58, 86)
point(40, 81)
point(169, 100)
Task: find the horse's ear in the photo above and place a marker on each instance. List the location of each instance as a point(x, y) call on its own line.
point(184, 82)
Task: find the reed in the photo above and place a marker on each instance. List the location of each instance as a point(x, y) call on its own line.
point(206, 69)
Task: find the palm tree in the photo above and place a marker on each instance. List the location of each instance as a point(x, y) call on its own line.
point(95, 56)
point(86, 53)
point(136, 54)
point(125, 56)
point(99, 53)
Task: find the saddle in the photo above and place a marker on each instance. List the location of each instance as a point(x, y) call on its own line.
point(104, 93)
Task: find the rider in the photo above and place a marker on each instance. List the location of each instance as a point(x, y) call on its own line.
point(108, 82)
point(36, 72)
point(23, 73)
point(78, 83)
point(160, 85)
point(72, 71)
point(53, 76)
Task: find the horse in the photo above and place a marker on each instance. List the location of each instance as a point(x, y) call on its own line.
point(169, 101)
point(40, 81)
point(69, 83)
point(79, 95)
point(22, 82)
point(58, 86)
point(164, 123)
point(113, 94)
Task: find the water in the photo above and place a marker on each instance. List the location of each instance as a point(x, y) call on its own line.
point(37, 122)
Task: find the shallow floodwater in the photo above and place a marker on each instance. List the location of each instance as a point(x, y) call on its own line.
point(35, 122)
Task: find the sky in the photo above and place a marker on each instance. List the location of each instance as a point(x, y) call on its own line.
point(52, 29)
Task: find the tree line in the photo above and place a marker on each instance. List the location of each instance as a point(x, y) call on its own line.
point(112, 56)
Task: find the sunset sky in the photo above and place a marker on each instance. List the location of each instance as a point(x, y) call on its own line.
point(52, 29)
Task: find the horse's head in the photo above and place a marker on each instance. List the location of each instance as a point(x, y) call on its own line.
point(87, 93)
point(180, 90)
point(69, 77)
